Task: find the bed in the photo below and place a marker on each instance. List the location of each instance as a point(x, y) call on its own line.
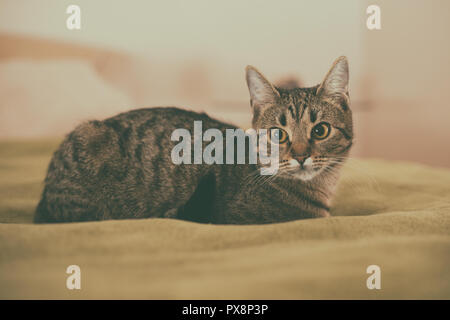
point(395, 215)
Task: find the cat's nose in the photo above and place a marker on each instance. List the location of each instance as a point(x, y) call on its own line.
point(300, 149)
point(300, 152)
point(301, 159)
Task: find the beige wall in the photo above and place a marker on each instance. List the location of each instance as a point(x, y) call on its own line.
point(282, 37)
point(407, 71)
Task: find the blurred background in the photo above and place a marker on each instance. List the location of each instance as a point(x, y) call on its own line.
point(192, 54)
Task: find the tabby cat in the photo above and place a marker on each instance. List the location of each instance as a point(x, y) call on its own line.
point(121, 167)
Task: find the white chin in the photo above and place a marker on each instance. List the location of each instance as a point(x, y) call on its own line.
point(304, 175)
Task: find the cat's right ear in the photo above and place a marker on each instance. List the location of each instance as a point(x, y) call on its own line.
point(335, 83)
point(262, 92)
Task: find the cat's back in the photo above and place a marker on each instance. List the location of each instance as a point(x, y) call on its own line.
point(124, 138)
point(121, 136)
point(165, 117)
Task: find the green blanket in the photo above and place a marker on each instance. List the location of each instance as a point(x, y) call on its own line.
point(391, 214)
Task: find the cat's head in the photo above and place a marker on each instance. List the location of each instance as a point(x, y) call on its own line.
point(315, 124)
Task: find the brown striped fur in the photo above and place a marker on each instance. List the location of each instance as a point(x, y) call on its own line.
point(120, 168)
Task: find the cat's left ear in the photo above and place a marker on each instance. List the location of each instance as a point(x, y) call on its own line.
point(335, 84)
point(262, 92)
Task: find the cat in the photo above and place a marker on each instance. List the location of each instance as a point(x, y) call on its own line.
point(121, 168)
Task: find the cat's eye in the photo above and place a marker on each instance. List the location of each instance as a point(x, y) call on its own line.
point(320, 131)
point(279, 135)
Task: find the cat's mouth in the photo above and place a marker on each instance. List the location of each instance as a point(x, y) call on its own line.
point(304, 174)
point(305, 170)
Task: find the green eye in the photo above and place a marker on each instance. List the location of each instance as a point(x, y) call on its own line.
point(320, 131)
point(278, 134)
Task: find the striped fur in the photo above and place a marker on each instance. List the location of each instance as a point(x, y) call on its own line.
point(120, 168)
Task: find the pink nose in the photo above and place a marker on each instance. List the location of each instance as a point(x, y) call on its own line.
point(302, 158)
point(300, 152)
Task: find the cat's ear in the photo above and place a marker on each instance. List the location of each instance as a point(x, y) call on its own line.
point(335, 83)
point(262, 92)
